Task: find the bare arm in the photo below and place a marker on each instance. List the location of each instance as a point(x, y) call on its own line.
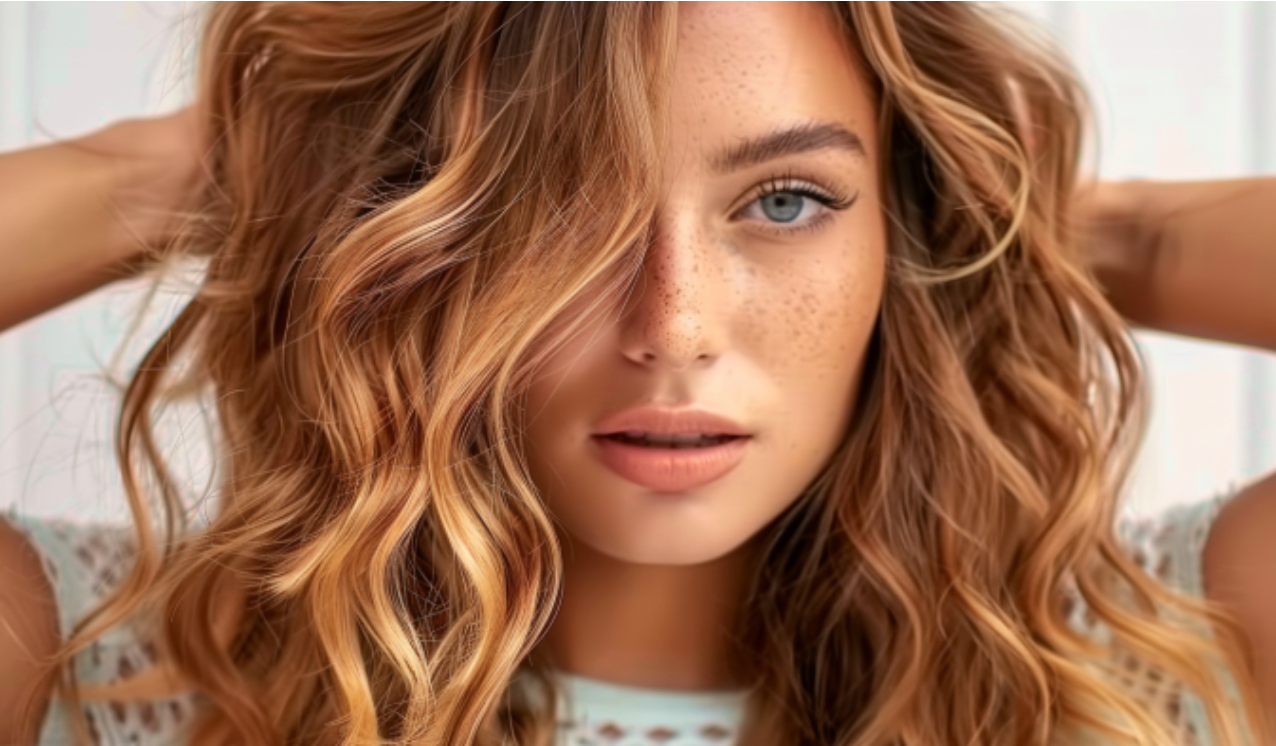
point(1192, 258)
point(1199, 259)
point(77, 215)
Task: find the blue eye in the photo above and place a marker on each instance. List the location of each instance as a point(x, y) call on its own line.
point(782, 207)
point(788, 206)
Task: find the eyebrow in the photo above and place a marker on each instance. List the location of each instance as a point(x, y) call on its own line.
point(801, 138)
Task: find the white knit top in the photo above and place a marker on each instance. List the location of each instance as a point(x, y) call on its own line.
point(84, 560)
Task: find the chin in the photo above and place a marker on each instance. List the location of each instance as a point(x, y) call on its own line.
point(693, 549)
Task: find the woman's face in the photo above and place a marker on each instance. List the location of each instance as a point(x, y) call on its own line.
point(756, 307)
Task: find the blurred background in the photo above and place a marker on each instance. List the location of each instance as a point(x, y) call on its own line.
point(1181, 90)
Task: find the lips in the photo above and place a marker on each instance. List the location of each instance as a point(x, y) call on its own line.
point(669, 422)
point(629, 443)
point(670, 469)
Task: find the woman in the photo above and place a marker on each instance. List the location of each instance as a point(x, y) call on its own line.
point(472, 267)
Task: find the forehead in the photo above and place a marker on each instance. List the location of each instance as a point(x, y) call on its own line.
point(745, 69)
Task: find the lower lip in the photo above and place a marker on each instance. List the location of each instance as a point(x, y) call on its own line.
point(671, 469)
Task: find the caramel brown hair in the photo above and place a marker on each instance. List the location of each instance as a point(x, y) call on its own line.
point(403, 197)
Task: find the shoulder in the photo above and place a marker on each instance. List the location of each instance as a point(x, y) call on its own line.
point(1169, 544)
point(72, 566)
point(1239, 569)
point(1241, 547)
point(28, 634)
point(81, 561)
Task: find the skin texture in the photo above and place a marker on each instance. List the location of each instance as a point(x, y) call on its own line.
point(731, 315)
point(28, 635)
point(122, 180)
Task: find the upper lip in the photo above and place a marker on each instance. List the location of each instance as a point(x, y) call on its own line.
point(661, 421)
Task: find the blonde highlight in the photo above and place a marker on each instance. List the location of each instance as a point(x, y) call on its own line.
point(405, 197)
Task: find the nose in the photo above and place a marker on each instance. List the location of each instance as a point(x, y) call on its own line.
point(678, 309)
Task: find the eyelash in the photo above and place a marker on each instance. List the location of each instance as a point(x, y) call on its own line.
point(789, 184)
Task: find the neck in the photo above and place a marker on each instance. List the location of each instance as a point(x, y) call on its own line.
point(651, 626)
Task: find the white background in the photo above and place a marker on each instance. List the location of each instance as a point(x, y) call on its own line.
point(1182, 91)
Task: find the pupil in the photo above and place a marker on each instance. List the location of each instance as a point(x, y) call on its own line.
point(788, 206)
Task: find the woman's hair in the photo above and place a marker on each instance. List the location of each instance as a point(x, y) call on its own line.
point(403, 197)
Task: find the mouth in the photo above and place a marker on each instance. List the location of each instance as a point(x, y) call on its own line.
point(670, 442)
point(663, 464)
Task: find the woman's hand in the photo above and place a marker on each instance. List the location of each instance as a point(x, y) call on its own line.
point(1118, 239)
point(156, 175)
point(1193, 258)
point(81, 213)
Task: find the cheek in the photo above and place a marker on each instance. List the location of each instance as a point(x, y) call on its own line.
point(813, 318)
point(568, 377)
point(562, 390)
point(815, 344)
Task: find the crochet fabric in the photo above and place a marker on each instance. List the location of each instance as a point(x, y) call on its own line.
point(84, 560)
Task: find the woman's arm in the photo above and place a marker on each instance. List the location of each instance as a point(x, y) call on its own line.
point(76, 215)
point(1199, 258)
point(1192, 258)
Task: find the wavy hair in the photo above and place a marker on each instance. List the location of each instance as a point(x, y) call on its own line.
point(402, 200)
